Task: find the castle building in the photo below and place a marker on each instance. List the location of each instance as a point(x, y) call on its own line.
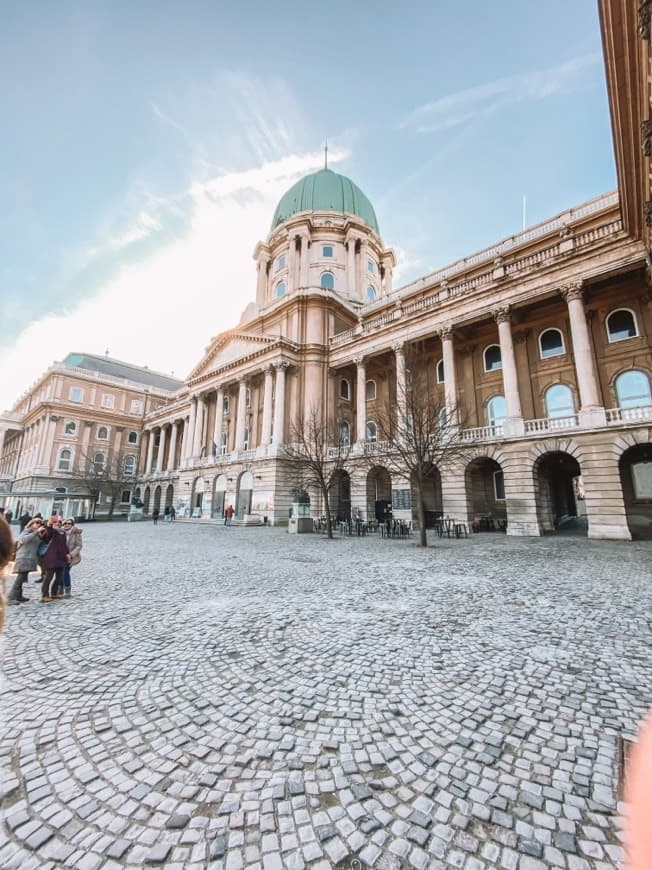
point(543, 340)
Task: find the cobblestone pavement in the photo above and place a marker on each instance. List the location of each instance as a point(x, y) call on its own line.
point(232, 698)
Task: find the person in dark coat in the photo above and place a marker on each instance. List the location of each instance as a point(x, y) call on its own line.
point(55, 560)
point(26, 560)
point(155, 516)
point(23, 519)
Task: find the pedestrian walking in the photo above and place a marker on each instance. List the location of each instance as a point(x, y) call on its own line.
point(74, 541)
point(155, 516)
point(54, 560)
point(173, 514)
point(228, 515)
point(26, 559)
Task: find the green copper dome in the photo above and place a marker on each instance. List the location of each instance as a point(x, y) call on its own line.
point(325, 191)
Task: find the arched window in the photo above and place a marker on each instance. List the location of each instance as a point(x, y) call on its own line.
point(440, 371)
point(99, 461)
point(559, 402)
point(246, 438)
point(372, 431)
point(345, 434)
point(621, 324)
point(223, 444)
point(280, 289)
point(492, 358)
point(370, 391)
point(327, 281)
point(345, 389)
point(442, 418)
point(129, 465)
point(371, 294)
point(633, 389)
point(496, 411)
point(103, 433)
point(551, 343)
point(64, 462)
point(132, 438)
point(280, 262)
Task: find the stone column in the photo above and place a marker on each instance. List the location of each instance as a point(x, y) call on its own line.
point(362, 269)
point(514, 422)
point(361, 400)
point(173, 445)
point(241, 415)
point(160, 456)
point(350, 267)
point(150, 452)
point(48, 440)
point(261, 286)
point(266, 428)
point(219, 418)
point(184, 439)
point(591, 409)
point(292, 265)
point(450, 378)
point(304, 262)
point(117, 448)
point(189, 434)
point(401, 397)
point(279, 403)
point(199, 427)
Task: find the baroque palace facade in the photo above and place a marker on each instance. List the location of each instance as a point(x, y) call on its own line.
point(543, 340)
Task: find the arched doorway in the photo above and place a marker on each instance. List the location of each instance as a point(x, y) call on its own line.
point(169, 495)
point(218, 496)
point(245, 488)
point(379, 492)
point(339, 496)
point(146, 498)
point(157, 499)
point(636, 479)
point(432, 498)
point(197, 502)
point(485, 492)
point(559, 491)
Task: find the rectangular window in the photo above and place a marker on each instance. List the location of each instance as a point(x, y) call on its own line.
point(108, 400)
point(136, 407)
point(499, 486)
point(371, 266)
point(76, 394)
point(70, 428)
point(125, 498)
point(327, 251)
point(280, 263)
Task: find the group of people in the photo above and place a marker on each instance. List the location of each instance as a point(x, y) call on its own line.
point(52, 546)
point(169, 515)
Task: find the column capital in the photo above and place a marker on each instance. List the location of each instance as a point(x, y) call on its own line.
point(268, 369)
point(574, 290)
point(359, 360)
point(502, 314)
point(282, 365)
point(398, 347)
point(446, 332)
point(644, 19)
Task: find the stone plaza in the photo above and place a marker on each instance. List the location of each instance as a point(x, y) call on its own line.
point(240, 697)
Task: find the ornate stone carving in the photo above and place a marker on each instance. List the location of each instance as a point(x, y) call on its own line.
point(572, 291)
point(564, 232)
point(646, 137)
point(644, 18)
point(446, 332)
point(359, 360)
point(282, 364)
point(398, 347)
point(502, 314)
point(647, 213)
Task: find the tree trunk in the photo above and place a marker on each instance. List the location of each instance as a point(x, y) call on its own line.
point(421, 516)
point(111, 507)
point(329, 525)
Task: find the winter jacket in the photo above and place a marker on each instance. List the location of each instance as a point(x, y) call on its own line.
point(27, 545)
point(74, 541)
point(57, 551)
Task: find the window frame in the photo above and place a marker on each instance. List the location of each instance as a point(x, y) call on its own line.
point(367, 392)
point(131, 461)
point(63, 450)
point(499, 474)
point(245, 439)
point(324, 275)
point(136, 406)
point(497, 368)
point(371, 293)
point(223, 443)
point(95, 463)
point(124, 500)
point(330, 248)
point(72, 434)
point(134, 440)
point(625, 337)
point(347, 397)
point(371, 439)
point(493, 424)
point(438, 365)
point(101, 437)
point(105, 403)
point(278, 293)
point(226, 405)
point(645, 376)
point(567, 413)
point(75, 390)
point(344, 425)
point(371, 267)
point(562, 352)
point(281, 262)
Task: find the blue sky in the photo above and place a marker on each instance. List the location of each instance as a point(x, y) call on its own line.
point(146, 144)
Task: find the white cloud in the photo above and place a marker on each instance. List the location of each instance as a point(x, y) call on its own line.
point(464, 106)
point(162, 310)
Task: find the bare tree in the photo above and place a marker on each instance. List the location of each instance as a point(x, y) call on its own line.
point(317, 454)
point(109, 477)
point(421, 435)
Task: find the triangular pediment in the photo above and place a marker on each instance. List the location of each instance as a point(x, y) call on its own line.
point(228, 348)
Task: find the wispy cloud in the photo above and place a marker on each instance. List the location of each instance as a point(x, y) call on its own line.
point(462, 107)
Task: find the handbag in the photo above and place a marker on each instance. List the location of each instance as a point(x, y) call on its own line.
point(42, 549)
